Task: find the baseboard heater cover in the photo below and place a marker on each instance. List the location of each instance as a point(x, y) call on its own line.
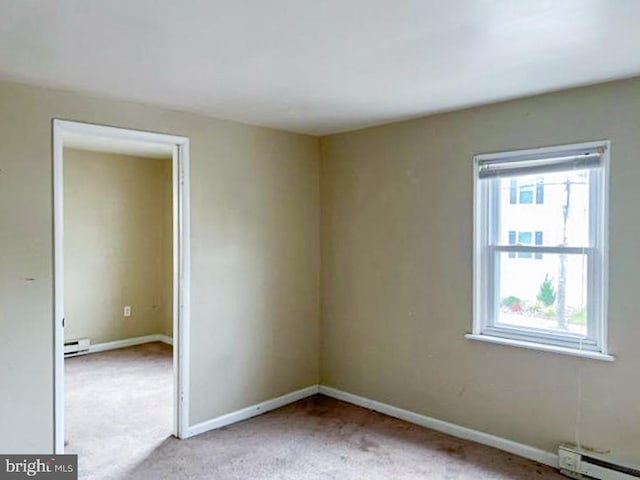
point(579, 463)
point(78, 346)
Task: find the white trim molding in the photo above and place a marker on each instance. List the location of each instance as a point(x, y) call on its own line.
point(181, 266)
point(526, 451)
point(541, 347)
point(252, 411)
point(130, 342)
point(515, 448)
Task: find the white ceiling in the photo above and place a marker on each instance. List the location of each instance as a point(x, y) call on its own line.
point(318, 66)
point(119, 146)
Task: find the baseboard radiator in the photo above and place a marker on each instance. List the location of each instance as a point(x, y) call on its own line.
point(581, 464)
point(78, 346)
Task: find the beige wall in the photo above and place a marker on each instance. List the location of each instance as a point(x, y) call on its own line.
point(254, 247)
point(117, 238)
point(396, 277)
point(397, 284)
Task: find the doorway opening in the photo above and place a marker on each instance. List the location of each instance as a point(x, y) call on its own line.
point(71, 141)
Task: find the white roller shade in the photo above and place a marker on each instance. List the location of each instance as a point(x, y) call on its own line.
point(514, 167)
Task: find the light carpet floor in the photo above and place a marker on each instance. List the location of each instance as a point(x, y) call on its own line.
point(119, 419)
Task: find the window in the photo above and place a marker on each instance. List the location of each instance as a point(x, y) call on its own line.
point(524, 192)
point(540, 253)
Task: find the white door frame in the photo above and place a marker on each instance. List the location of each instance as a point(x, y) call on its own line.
point(181, 266)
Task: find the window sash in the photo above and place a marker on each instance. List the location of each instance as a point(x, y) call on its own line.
point(490, 324)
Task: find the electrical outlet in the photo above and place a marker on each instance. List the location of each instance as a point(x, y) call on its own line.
point(568, 460)
point(127, 310)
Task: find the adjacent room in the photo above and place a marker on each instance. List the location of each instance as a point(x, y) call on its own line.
point(319, 240)
point(118, 303)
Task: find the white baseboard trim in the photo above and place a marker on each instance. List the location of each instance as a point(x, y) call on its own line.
point(130, 342)
point(535, 454)
point(525, 451)
point(251, 411)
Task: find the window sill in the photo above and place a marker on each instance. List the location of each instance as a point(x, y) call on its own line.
point(542, 347)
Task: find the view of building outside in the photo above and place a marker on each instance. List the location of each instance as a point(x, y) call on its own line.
point(544, 291)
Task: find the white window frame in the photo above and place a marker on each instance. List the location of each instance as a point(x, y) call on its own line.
point(487, 249)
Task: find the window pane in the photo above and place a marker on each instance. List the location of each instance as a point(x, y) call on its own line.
point(548, 294)
point(524, 238)
point(526, 193)
point(539, 236)
point(540, 190)
point(562, 215)
point(512, 241)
